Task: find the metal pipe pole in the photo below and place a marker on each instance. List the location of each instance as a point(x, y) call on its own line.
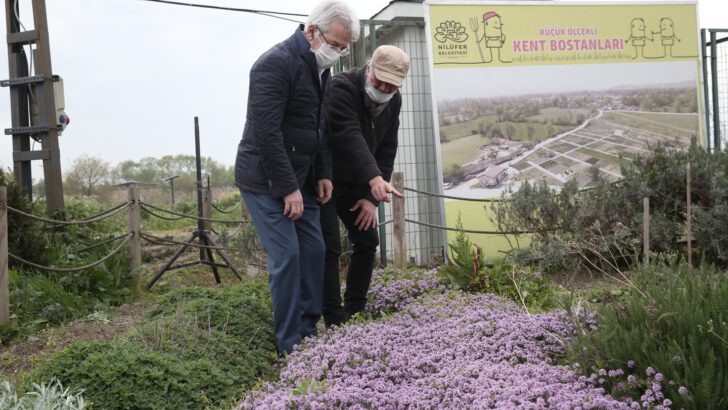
point(716, 94)
point(706, 94)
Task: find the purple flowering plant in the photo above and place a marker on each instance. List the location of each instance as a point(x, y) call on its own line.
point(437, 348)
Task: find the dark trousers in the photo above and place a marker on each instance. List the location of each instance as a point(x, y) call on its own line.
point(361, 263)
point(295, 269)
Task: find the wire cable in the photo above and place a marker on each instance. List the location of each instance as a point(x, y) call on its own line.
point(454, 197)
point(446, 228)
point(267, 13)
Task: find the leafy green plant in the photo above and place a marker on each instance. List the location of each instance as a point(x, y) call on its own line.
point(25, 237)
point(518, 283)
point(465, 260)
point(37, 301)
point(124, 375)
point(188, 339)
point(51, 396)
point(676, 324)
point(241, 310)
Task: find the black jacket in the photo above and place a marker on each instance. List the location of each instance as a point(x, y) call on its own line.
point(362, 147)
point(282, 141)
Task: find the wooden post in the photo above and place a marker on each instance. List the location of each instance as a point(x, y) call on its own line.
point(206, 213)
point(207, 207)
point(399, 231)
point(646, 228)
point(689, 221)
point(134, 226)
point(4, 286)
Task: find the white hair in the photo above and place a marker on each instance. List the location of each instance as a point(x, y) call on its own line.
point(331, 11)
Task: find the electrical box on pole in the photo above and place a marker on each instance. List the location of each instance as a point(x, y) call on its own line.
point(36, 102)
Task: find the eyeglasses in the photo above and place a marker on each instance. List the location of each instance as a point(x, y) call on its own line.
point(343, 51)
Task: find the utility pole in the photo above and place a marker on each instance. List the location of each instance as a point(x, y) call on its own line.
point(36, 102)
point(171, 185)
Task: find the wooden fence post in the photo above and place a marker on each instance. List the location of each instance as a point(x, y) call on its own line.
point(134, 227)
point(646, 228)
point(207, 208)
point(4, 285)
point(399, 232)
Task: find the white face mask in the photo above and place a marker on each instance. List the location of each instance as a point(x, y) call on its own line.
point(376, 95)
point(326, 56)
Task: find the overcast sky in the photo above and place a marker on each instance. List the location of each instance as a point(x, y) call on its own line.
point(136, 73)
point(454, 83)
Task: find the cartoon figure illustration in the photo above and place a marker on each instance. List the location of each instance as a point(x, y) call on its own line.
point(667, 35)
point(492, 35)
point(637, 36)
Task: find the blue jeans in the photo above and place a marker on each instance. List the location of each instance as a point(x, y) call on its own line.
point(295, 265)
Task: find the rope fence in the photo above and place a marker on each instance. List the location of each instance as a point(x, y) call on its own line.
point(223, 211)
point(74, 269)
point(94, 218)
point(145, 206)
point(157, 240)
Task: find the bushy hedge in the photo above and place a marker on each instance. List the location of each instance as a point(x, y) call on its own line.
point(201, 347)
point(571, 226)
point(671, 341)
point(126, 376)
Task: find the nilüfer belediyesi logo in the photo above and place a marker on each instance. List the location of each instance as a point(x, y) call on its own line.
point(452, 36)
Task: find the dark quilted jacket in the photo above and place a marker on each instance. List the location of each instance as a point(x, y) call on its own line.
point(362, 147)
point(282, 146)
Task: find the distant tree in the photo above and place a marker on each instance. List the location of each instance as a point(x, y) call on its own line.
point(530, 132)
point(86, 175)
point(550, 130)
point(495, 131)
point(594, 171)
point(443, 135)
point(510, 131)
point(455, 174)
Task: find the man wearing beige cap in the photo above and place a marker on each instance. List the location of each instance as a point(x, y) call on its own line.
point(363, 119)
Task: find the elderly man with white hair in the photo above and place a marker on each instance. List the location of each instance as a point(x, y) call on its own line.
point(283, 166)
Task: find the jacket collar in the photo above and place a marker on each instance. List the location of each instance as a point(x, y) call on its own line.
point(303, 48)
point(299, 42)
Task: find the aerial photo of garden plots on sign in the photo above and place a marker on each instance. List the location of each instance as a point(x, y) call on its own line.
point(492, 144)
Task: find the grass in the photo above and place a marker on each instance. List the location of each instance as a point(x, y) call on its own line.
point(659, 123)
point(476, 216)
point(462, 150)
point(464, 129)
point(600, 155)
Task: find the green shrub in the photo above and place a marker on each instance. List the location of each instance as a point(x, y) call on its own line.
point(125, 376)
point(36, 301)
point(467, 270)
point(570, 226)
point(25, 237)
point(242, 359)
point(679, 328)
point(241, 310)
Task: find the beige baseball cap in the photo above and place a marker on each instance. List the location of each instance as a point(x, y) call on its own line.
point(390, 64)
